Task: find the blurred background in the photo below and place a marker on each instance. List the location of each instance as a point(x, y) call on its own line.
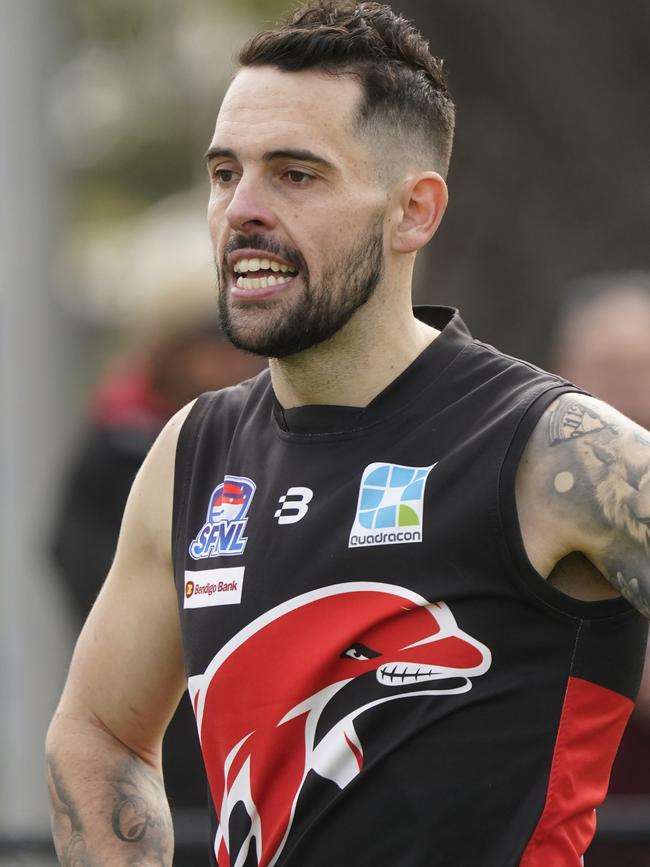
point(106, 289)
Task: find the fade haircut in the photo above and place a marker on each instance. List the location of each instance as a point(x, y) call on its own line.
point(405, 96)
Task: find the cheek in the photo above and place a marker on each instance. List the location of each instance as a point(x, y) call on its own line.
point(212, 218)
point(216, 222)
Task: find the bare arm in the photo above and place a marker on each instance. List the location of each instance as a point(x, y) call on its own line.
point(584, 485)
point(104, 743)
point(123, 804)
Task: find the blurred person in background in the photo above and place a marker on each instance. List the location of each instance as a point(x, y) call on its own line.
point(602, 343)
point(140, 390)
point(175, 351)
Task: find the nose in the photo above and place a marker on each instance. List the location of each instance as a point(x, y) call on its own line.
point(248, 209)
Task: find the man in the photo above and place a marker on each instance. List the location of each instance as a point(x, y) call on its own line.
point(398, 556)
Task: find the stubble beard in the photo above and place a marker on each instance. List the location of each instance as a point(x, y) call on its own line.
point(278, 329)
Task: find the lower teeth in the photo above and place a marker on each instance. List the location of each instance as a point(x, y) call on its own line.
point(262, 282)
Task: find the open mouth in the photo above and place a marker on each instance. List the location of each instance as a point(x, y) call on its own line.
point(257, 273)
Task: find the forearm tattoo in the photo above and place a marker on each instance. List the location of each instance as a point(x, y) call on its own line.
point(137, 814)
point(136, 819)
point(600, 467)
point(67, 826)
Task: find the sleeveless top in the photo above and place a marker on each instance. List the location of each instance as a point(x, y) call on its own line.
point(379, 675)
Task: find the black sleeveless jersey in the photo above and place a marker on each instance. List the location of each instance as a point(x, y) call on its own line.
point(380, 678)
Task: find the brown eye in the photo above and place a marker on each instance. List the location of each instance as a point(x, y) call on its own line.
point(297, 177)
point(223, 176)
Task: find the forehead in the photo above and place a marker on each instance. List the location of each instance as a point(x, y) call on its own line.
point(267, 108)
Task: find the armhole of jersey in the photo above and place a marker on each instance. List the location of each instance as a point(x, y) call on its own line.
point(523, 569)
point(185, 448)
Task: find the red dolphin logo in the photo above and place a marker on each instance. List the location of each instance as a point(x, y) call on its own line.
point(260, 700)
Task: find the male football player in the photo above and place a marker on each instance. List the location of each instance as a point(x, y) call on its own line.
point(411, 572)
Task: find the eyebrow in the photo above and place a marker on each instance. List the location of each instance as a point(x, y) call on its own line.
point(300, 154)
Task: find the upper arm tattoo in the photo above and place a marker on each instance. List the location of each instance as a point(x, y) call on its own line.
point(599, 467)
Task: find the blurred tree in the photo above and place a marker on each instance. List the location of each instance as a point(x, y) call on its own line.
point(266, 11)
point(136, 96)
point(550, 177)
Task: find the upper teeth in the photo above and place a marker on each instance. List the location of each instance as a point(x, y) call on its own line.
point(245, 266)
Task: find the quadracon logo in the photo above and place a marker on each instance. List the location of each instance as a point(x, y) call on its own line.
point(223, 531)
point(390, 506)
point(213, 587)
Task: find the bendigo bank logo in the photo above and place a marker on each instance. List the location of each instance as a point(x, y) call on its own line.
point(223, 531)
point(208, 587)
point(390, 506)
point(295, 683)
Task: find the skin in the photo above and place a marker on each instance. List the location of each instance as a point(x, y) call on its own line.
point(125, 679)
point(126, 676)
point(316, 208)
point(583, 488)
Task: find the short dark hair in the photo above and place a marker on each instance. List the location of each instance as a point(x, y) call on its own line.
point(405, 92)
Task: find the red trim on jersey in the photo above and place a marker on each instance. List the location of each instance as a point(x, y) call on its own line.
point(356, 752)
point(591, 725)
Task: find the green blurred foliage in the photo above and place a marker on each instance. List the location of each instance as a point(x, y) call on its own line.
point(171, 94)
point(266, 11)
point(111, 22)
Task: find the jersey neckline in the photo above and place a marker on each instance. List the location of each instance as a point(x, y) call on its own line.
point(304, 422)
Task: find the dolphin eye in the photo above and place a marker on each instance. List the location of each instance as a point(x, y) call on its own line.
point(359, 651)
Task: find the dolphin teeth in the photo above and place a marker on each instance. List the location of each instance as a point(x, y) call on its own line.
point(396, 674)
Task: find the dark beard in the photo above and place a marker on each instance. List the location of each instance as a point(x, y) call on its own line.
point(321, 311)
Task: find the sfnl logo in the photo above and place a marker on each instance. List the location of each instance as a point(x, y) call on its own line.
point(223, 531)
point(390, 505)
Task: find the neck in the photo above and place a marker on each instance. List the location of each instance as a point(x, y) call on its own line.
point(357, 363)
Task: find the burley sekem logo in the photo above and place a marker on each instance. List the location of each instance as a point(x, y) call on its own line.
point(223, 531)
point(390, 506)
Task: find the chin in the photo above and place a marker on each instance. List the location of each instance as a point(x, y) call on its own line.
point(253, 329)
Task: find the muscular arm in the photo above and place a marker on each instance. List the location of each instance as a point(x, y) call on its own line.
point(126, 677)
point(584, 485)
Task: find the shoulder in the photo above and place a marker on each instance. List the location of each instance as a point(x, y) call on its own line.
point(161, 455)
point(229, 402)
point(149, 506)
point(517, 383)
point(590, 442)
point(584, 479)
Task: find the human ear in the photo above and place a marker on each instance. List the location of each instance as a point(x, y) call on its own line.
point(422, 203)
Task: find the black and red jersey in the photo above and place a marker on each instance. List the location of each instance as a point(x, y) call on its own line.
point(379, 675)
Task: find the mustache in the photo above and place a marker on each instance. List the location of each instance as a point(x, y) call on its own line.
point(240, 241)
